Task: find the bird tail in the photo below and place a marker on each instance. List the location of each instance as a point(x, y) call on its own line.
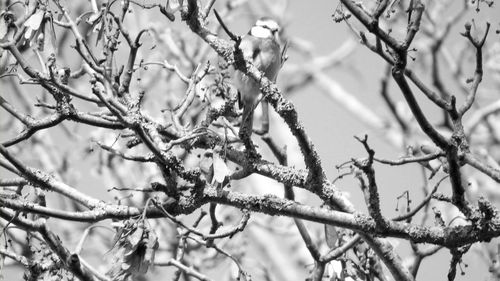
point(247, 118)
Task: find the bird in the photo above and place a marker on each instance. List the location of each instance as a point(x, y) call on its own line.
point(261, 46)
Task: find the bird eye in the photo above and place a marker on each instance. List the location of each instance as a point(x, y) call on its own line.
point(273, 30)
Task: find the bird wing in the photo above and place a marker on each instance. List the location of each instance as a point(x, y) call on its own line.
point(263, 53)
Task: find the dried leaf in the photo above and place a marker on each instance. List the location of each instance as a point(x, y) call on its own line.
point(206, 165)
point(4, 28)
point(6, 21)
point(134, 251)
point(352, 271)
point(152, 244)
point(40, 38)
point(100, 32)
point(33, 23)
point(52, 33)
point(331, 236)
point(2, 257)
point(149, 255)
point(335, 267)
point(220, 169)
point(134, 238)
point(93, 18)
point(201, 90)
point(96, 20)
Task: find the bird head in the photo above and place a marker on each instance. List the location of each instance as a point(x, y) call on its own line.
point(265, 28)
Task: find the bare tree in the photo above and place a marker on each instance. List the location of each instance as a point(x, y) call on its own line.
point(121, 153)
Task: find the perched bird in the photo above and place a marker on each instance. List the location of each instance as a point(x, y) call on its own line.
point(261, 46)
